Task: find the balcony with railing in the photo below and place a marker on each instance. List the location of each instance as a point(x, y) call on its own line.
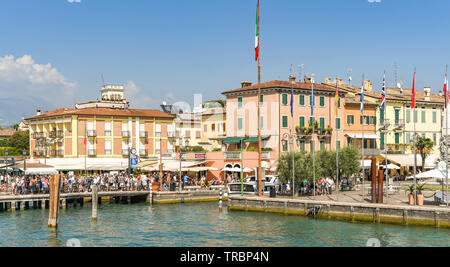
point(233, 155)
point(57, 153)
point(92, 152)
point(126, 134)
point(143, 134)
point(91, 133)
point(399, 124)
point(38, 135)
point(384, 124)
point(143, 152)
point(397, 148)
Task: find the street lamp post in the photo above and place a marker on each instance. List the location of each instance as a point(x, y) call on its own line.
point(24, 160)
point(6, 160)
point(290, 137)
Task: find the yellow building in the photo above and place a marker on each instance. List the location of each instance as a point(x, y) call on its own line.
point(213, 125)
point(102, 129)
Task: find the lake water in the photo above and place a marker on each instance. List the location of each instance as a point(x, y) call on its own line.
point(200, 224)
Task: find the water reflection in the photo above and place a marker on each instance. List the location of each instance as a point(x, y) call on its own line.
point(201, 224)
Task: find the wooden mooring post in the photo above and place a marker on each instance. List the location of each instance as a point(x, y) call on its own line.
point(55, 181)
point(94, 202)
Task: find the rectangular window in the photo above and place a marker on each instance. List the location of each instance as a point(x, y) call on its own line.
point(302, 121)
point(415, 115)
point(424, 116)
point(302, 100)
point(322, 123)
point(397, 115)
point(381, 115)
point(382, 140)
point(107, 128)
point(434, 117)
point(240, 124)
point(408, 138)
point(240, 102)
point(339, 102)
point(322, 145)
point(284, 99)
point(284, 146)
point(312, 147)
point(205, 128)
point(322, 101)
point(285, 122)
point(158, 130)
point(311, 121)
point(338, 123)
point(350, 119)
point(434, 138)
point(213, 127)
point(302, 145)
point(261, 99)
point(397, 138)
point(408, 116)
point(262, 122)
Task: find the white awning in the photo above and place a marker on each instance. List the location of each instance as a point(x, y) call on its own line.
point(366, 164)
point(40, 171)
point(407, 160)
point(360, 136)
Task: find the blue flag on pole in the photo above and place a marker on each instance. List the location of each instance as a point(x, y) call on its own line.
point(292, 102)
point(362, 98)
point(312, 99)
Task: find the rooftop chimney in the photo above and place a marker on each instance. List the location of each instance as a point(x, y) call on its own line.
point(292, 78)
point(308, 79)
point(246, 84)
point(38, 112)
point(327, 80)
point(440, 93)
point(427, 91)
point(339, 81)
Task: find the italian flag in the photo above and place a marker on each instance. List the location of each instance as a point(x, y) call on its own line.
point(257, 34)
point(413, 96)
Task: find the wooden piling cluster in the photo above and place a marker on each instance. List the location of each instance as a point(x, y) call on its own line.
point(54, 201)
point(377, 187)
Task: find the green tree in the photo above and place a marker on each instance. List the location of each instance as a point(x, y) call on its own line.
point(327, 163)
point(20, 140)
point(349, 161)
point(424, 147)
point(285, 167)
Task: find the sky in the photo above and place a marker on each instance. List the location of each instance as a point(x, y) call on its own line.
point(54, 53)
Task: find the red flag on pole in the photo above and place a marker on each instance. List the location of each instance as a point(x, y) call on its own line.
point(413, 97)
point(446, 96)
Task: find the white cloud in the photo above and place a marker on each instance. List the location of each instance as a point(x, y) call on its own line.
point(74, 1)
point(22, 77)
point(138, 99)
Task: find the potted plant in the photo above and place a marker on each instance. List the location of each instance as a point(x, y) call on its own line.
point(420, 188)
point(316, 126)
point(310, 130)
point(411, 191)
point(329, 130)
point(297, 129)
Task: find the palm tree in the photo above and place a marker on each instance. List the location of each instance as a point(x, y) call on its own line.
point(424, 147)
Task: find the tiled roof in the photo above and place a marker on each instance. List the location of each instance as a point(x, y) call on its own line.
point(104, 112)
point(7, 132)
point(283, 84)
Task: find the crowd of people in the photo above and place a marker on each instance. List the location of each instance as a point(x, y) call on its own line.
point(39, 184)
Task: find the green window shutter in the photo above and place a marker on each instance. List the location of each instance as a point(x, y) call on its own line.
point(261, 99)
point(302, 100)
point(322, 145)
point(374, 120)
point(368, 120)
point(424, 116)
point(322, 123)
point(381, 114)
point(285, 122)
point(302, 122)
point(322, 101)
point(349, 119)
point(397, 138)
point(397, 115)
point(311, 121)
point(382, 140)
point(284, 99)
point(415, 115)
point(240, 102)
point(339, 103)
point(240, 123)
point(434, 117)
point(285, 146)
point(408, 116)
point(361, 118)
point(338, 123)
point(302, 145)
point(408, 138)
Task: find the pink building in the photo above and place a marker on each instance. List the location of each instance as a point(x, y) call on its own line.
point(276, 120)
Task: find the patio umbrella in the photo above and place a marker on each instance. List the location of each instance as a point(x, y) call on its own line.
point(437, 174)
point(248, 169)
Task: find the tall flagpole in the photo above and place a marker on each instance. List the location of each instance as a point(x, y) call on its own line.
point(259, 105)
point(313, 103)
point(385, 139)
point(337, 139)
point(415, 137)
point(362, 146)
point(446, 133)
